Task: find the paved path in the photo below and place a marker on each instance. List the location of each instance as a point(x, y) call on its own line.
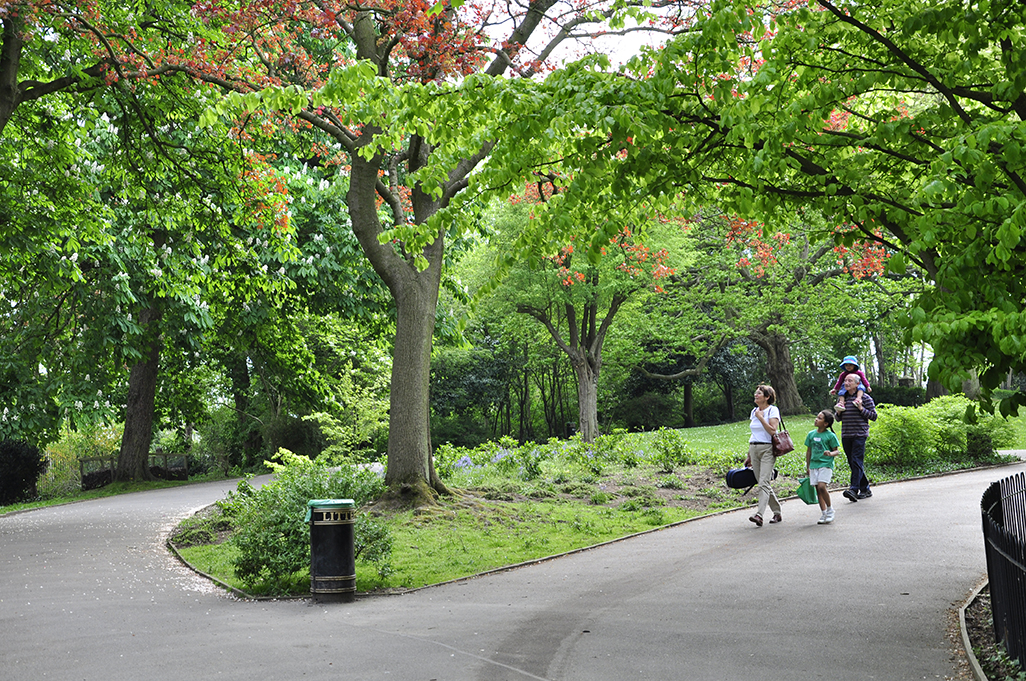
point(87, 591)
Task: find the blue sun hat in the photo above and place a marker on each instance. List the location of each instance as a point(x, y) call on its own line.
point(850, 359)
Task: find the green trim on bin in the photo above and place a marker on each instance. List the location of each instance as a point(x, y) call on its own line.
point(329, 504)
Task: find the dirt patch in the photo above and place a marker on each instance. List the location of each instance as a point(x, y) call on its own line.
point(979, 625)
point(693, 488)
point(206, 526)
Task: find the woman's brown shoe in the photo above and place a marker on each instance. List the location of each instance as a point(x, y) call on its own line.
point(776, 518)
point(757, 519)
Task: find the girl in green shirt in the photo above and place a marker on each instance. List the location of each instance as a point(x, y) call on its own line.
point(821, 446)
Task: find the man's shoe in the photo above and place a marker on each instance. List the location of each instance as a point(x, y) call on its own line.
point(757, 519)
point(829, 513)
point(776, 519)
point(823, 519)
point(850, 495)
point(865, 495)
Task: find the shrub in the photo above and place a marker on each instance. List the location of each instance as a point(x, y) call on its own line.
point(63, 475)
point(271, 534)
point(908, 436)
point(979, 446)
point(901, 437)
point(21, 464)
point(947, 414)
point(671, 450)
point(902, 396)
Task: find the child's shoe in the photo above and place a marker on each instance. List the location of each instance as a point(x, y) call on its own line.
point(839, 407)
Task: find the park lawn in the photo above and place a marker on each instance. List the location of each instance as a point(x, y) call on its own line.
point(468, 535)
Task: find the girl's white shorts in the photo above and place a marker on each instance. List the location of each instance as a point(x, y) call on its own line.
point(817, 475)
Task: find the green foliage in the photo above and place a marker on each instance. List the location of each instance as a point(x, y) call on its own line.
point(672, 450)
point(904, 396)
point(901, 436)
point(936, 431)
point(216, 442)
point(21, 464)
point(272, 537)
point(63, 475)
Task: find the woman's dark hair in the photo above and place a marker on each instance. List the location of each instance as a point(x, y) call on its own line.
point(769, 392)
point(828, 416)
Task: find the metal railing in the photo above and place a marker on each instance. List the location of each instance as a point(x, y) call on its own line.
point(1004, 536)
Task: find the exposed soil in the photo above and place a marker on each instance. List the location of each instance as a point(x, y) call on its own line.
point(979, 625)
point(694, 488)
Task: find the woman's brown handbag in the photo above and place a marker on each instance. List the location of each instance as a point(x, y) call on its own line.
point(782, 441)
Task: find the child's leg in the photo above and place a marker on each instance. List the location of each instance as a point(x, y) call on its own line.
point(824, 496)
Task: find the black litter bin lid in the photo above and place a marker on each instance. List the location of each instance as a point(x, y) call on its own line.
point(328, 505)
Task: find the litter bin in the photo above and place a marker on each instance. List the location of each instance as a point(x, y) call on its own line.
point(332, 550)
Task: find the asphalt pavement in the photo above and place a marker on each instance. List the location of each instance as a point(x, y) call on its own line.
point(89, 591)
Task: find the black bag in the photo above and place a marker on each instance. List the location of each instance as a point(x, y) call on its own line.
point(740, 478)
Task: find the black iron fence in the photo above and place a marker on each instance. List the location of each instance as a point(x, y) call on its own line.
point(1004, 535)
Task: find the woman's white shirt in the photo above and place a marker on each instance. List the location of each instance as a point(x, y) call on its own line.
point(759, 433)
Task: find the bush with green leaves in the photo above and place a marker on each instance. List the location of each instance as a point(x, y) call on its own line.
point(272, 535)
point(938, 430)
point(901, 436)
point(21, 464)
point(671, 450)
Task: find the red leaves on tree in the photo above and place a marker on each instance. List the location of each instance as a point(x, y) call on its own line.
point(863, 259)
point(759, 253)
point(266, 195)
point(636, 260)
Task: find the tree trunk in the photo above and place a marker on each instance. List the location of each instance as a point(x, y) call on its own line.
point(133, 459)
point(408, 436)
point(883, 377)
point(410, 473)
point(587, 373)
point(249, 441)
point(935, 388)
point(780, 371)
point(11, 45)
point(689, 405)
point(728, 392)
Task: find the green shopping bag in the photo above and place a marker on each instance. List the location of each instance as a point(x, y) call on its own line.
point(807, 492)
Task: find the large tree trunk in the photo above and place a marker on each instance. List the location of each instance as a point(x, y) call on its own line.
point(249, 439)
point(408, 434)
point(780, 371)
point(935, 388)
point(587, 372)
point(11, 45)
point(410, 473)
point(584, 348)
point(133, 459)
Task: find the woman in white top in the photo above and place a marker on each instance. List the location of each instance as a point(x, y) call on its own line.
point(764, 421)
